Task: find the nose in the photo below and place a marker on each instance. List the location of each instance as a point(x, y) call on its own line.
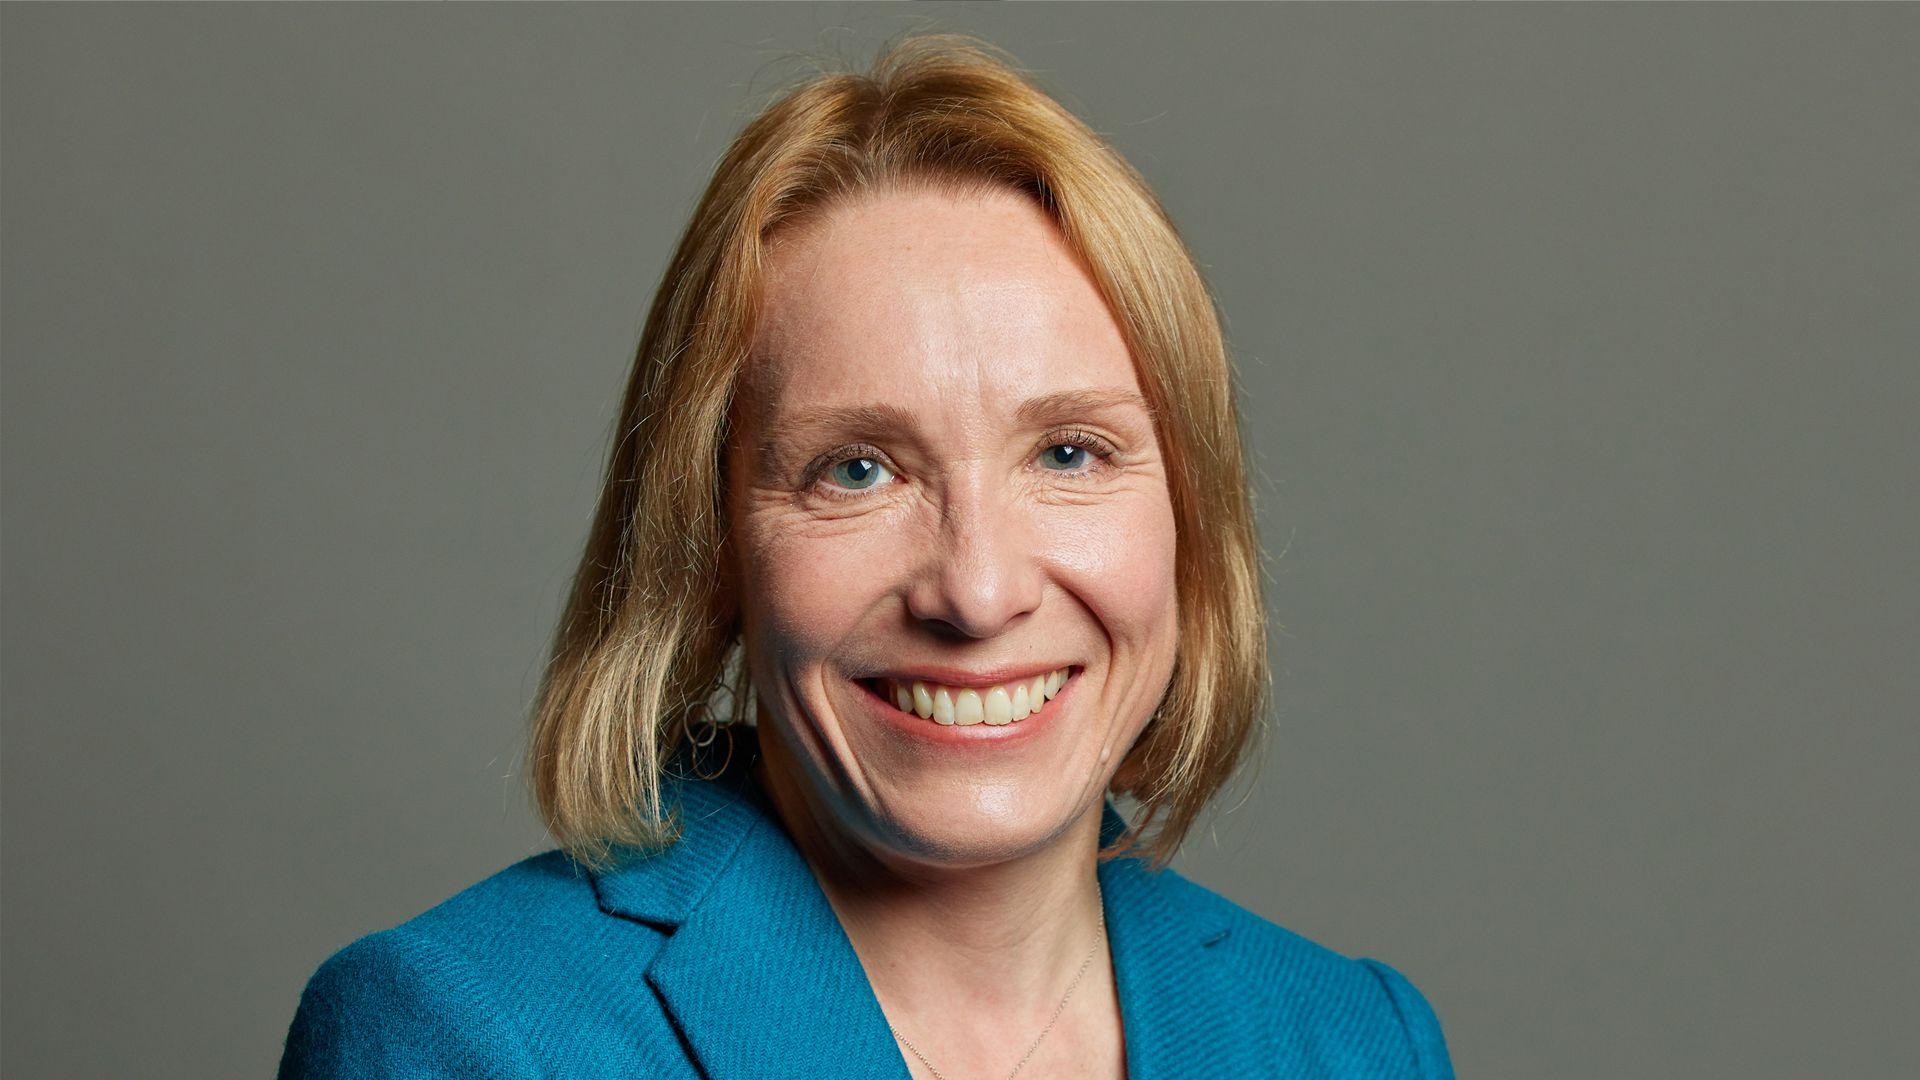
point(984, 569)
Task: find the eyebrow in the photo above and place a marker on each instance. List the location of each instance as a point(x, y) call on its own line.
point(1036, 410)
point(877, 417)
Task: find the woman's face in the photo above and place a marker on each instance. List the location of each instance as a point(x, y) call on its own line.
point(942, 472)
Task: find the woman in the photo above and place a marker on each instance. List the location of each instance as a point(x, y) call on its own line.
point(930, 456)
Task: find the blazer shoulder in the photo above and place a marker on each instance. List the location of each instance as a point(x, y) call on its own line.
point(1319, 995)
point(536, 914)
point(448, 991)
point(537, 891)
point(396, 1003)
point(1417, 1018)
point(1262, 943)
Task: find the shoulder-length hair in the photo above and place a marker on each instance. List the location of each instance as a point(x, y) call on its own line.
point(651, 630)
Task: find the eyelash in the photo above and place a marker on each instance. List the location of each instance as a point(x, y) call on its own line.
point(1102, 452)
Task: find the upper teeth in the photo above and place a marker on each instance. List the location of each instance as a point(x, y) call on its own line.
point(965, 705)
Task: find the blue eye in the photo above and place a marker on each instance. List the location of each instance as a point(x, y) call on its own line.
point(860, 471)
point(1065, 455)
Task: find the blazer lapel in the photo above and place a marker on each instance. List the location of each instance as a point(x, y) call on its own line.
point(757, 973)
point(762, 980)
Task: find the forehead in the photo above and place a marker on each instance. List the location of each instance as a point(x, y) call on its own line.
point(907, 296)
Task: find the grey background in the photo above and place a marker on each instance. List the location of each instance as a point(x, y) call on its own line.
point(1579, 351)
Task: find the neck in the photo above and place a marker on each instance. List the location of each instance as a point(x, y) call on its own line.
point(974, 952)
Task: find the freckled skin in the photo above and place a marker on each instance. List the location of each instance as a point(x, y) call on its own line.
point(969, 540)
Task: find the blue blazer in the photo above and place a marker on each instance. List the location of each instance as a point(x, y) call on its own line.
point(720, 957)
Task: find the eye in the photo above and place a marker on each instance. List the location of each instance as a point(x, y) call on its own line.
point(859, 473)
point(1064, 456)
point(1070, 449)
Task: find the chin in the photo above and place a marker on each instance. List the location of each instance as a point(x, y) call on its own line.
point(986, 823)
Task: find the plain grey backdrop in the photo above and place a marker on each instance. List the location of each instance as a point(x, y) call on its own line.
point(1579, 350)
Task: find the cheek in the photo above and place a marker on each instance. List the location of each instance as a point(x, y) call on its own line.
point(806, 588)
point(1121, 561)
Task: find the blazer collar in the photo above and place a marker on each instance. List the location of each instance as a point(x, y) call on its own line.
point(759, 975)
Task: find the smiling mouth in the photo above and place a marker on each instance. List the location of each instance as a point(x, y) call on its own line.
point(958, 706)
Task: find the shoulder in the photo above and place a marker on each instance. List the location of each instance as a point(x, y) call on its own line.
point(460, 987)
point(530, 913)
point(1323, 1004)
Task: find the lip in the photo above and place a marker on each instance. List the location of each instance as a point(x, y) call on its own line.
point(975, 680)
point(933, 731)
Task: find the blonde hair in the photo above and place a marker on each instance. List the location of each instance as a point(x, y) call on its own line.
point(651, 629)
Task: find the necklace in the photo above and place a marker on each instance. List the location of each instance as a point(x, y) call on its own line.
point(1057, 1010)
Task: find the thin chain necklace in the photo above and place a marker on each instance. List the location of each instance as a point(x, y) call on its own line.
point(1057, 1010)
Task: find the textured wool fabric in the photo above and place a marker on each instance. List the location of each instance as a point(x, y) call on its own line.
point(720, 957)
